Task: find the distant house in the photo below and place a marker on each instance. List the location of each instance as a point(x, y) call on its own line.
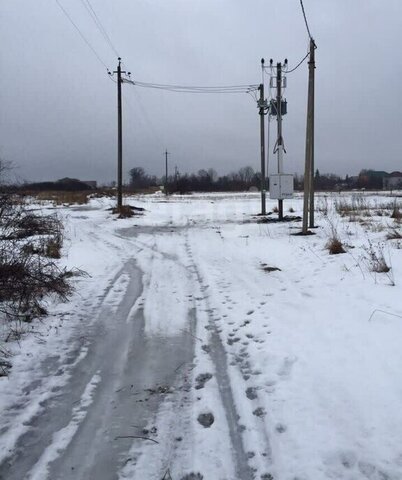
point(371, 179)
point(393, 181)
point(91, 183)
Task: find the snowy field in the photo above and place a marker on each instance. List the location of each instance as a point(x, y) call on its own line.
point(203, 342)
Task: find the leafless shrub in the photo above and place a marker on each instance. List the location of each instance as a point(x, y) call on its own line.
point(25, 279)
point(377, 227)
point(29, 243)
point(394, 234)
point(334, 244)
point(376, 258)
point(322, 206)
point(5, 364)
point(53, 246)
point(396, 213)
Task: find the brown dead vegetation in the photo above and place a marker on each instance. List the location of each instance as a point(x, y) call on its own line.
point(29, 244)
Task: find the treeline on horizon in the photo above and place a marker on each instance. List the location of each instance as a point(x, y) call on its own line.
point(244, 179)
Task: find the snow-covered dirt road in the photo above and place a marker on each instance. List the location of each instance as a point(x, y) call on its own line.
point(205, 345)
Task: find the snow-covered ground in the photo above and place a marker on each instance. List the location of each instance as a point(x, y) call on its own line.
point(182, 321)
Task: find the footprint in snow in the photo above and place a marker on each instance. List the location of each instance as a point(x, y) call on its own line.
point(286, 367)
point(202, 379)
point(192, 476)
point(280, 428)
point(251, 393)
point(206, 419)
point(259, 412)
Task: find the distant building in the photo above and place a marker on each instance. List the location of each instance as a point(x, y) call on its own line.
point(78, 184)
point(91, 183)
point(393, 181)
point(373, 179)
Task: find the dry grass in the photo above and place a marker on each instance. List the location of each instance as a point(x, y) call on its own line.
point(5, 364)
point(322, 206)
point(28, 273)
point(335, 246)
point(359, 206)
point(125, 211)
point(53, 247)
point(396, 213)
point(65, 198)
point(377, 227)
point(394, 234)
point(376, 258)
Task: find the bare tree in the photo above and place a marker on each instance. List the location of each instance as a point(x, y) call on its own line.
point(5, 167)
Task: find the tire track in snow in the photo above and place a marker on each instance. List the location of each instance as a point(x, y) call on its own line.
point(58, 410)
point(219, 358)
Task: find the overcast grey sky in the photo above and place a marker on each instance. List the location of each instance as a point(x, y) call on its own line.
point(58, 106)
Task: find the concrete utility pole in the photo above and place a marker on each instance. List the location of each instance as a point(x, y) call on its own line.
point(312, 75)
point(279, 120)
point(119, 138)
point(309, 154)
point(176, 178)
point(261, 104)
point(166, 171)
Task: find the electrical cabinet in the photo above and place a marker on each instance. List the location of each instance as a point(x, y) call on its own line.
point(281, 186)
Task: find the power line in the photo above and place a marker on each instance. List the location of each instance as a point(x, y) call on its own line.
point(194, 88)
point(144, 114)
point(90, 9)
point(305, 19)
point(288, 71)
point(298, 65)
point(81, 34)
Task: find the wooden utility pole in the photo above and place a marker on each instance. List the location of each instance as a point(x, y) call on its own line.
point(308, 199)
point(279, 120)
point(166, 171)
point(261, 104)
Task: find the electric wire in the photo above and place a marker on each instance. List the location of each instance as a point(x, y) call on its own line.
point(253, 95)
point(194, 88)
point(305, 20)
point(300, 63)
point(145, 116)
point(90, 9)
point(81, 34)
